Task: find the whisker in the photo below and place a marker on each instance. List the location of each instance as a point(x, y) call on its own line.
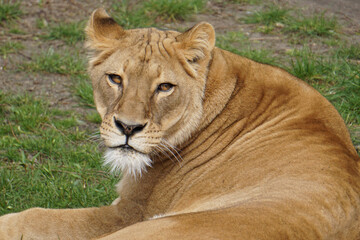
point(165, 153)
point(172, 153)
point(171, 148)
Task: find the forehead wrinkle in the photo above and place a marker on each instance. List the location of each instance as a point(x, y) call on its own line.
point(155, 38)
point(161, 46)
point(149, 42)
point(149, 55)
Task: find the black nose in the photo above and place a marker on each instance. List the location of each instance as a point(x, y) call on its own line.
point(128, 130)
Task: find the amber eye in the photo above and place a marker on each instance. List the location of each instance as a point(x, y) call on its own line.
point(165, 87)
point(115, 79)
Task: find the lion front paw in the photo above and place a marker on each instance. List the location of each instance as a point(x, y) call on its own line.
point(9, 227)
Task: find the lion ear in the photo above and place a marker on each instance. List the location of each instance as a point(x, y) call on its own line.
point(198, 41)
point(102, 30)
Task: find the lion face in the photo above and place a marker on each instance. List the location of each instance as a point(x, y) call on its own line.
point(148, 88)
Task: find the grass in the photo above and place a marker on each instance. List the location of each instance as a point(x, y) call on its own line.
point(52, 62)
point(46, 160)
point(130, 16)
point(346, 98)
point(269, 16)
point(47, 157)
point(41, 23)
point(231, 38)
point(302, 26)
point(238, 43)
point(93, 117)
point(344, 91)
point(317, 25)
point(70, 33)
point(9, 11)
point(243, 1)
point(305, 66)
point(173, 9)
point(148, 13)
point(83, 90)
point(10, 47)
point(349, 52)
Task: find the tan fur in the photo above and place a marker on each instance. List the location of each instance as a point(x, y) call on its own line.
point(261, 154)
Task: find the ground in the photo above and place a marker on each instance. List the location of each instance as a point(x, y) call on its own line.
point(224, 17)
point(21, 69)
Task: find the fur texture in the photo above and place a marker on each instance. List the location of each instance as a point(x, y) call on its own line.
point(238, 149)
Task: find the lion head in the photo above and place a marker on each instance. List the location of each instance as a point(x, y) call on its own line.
point(148, 87)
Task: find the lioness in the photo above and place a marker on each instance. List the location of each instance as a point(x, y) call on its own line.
point(212, 146)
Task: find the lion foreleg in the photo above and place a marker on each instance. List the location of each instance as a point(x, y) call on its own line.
point(38, 223)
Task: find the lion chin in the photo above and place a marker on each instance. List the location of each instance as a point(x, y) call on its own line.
point(126, 161)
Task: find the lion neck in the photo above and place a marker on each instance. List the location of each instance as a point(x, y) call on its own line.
point(229, 101)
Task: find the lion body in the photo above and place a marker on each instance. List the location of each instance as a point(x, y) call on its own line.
point(262, 155)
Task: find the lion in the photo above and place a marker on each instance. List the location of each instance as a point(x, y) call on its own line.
point(211, 145)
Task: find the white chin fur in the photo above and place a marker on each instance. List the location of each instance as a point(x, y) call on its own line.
point(130, 161)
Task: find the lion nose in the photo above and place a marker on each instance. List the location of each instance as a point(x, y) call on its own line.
point(128, 130)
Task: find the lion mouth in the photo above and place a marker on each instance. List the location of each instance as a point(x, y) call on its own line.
point(124, 146)
point(126, 159)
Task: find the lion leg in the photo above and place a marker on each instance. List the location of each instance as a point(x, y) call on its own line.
point(87, 223)
point(202, 225)
point(241, 223)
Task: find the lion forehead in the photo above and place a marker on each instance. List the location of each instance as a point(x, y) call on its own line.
point(141, 46)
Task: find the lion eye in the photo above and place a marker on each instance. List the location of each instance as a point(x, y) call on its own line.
point(193, 60)
point(165, 87)
point(115, 79)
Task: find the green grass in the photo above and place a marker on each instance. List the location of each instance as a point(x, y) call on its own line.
point(9, 11)
point(317, 25)
point(130, 16)
point(269, 16)
point(344, 91)
point(238, 43)
point(173, 9)
point(70, 33)
point(52, 62)
point(41, 23)
point(83, 90)
point(231, 38)
point(242, 1)
point(10, 47)
point(349, 52)
point(16, 31)
point(149, 13)
point(46, 160)
point(258, 55)
point(304, 65)
point(93, 117)
point(346, 98)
